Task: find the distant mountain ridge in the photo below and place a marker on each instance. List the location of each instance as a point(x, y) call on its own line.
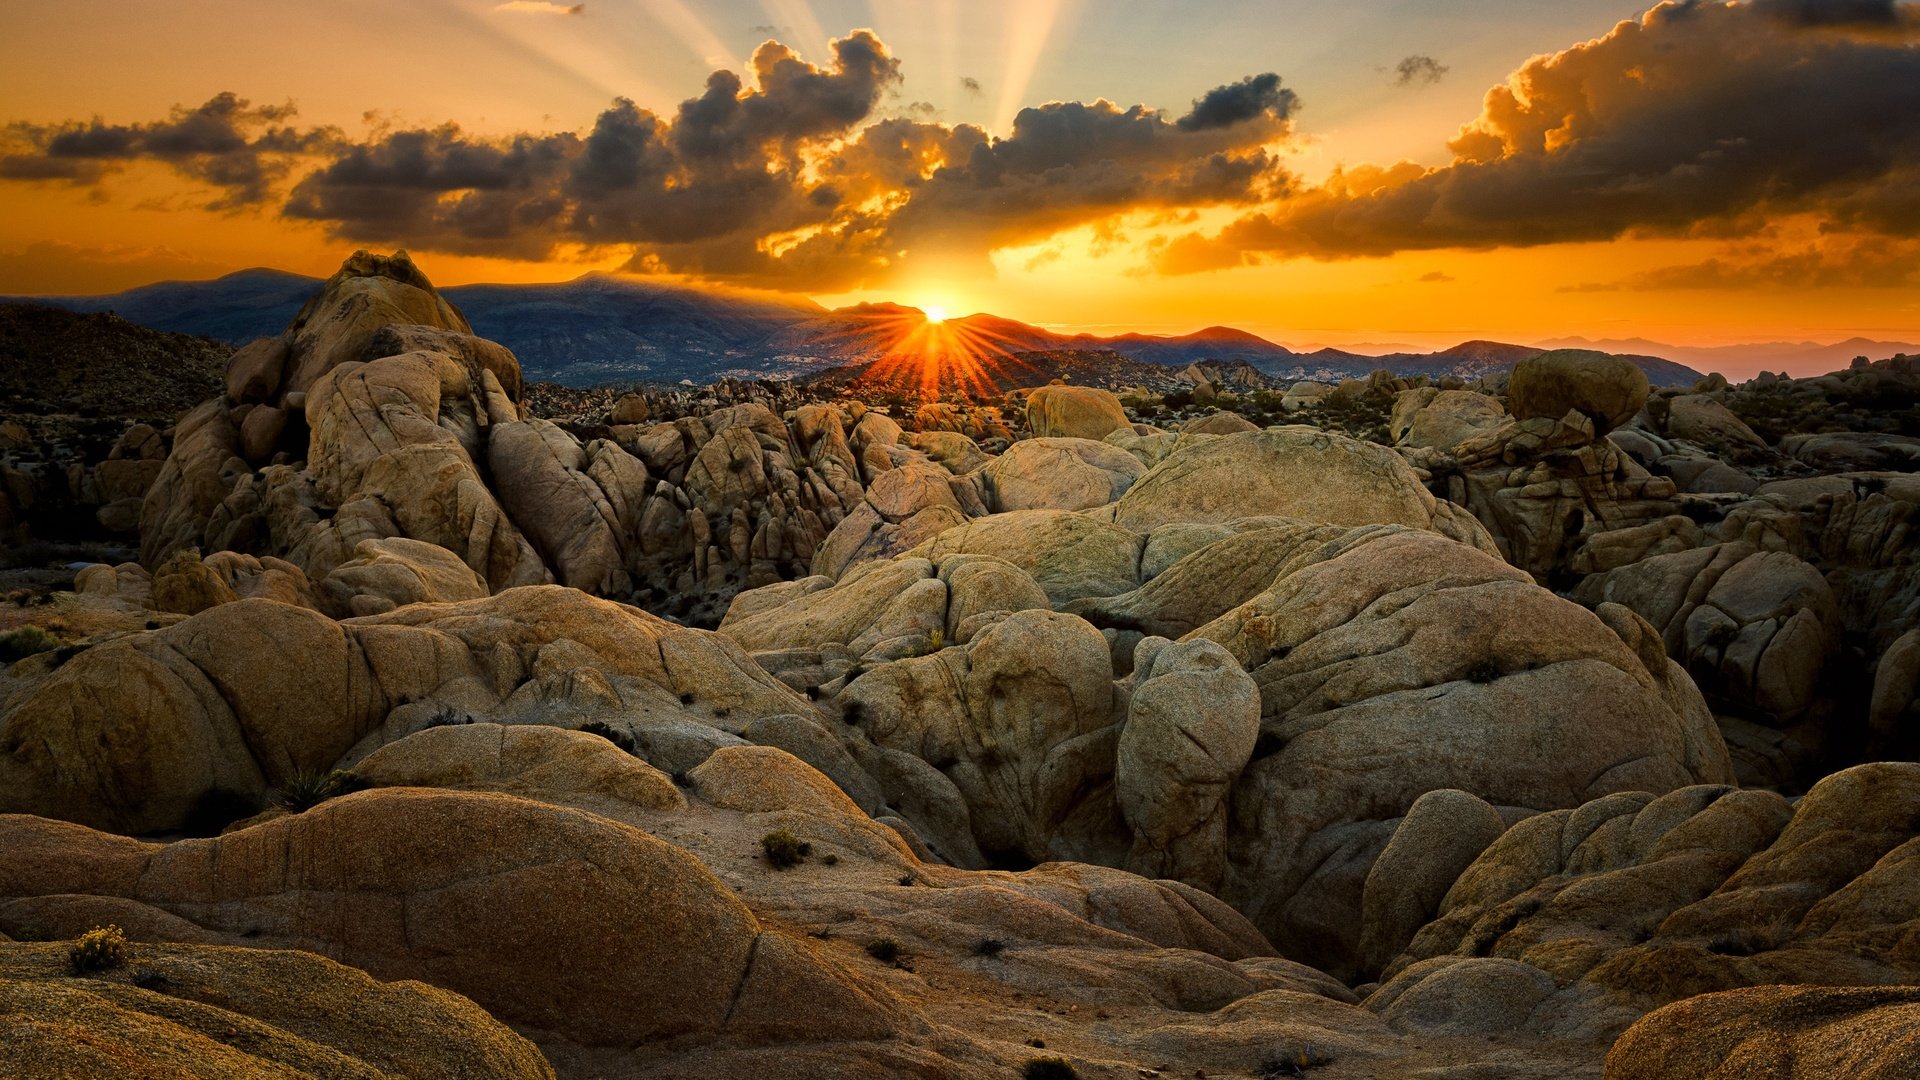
point(1803, 357)
point(603, 329)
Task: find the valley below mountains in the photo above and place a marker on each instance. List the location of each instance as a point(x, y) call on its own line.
point(519, 682)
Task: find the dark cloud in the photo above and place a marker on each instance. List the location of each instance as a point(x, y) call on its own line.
point(1696, 119)
point(228, 143)
point(790, 173)
point(1419, 69)
point(1068, 163)
point(1250, 98)
point(970, 84)
point(796, 178)
point(727, 165)
point(924, 189)
point(1884, 13)
point(1436, 277)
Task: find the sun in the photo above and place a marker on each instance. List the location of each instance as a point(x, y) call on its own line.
point(935, 313)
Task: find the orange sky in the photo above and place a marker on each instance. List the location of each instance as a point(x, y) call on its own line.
point(1781, 267)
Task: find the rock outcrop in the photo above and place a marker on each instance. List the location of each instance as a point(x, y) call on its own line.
point(1074, 412)
point(136, 734)
point(234, 1014)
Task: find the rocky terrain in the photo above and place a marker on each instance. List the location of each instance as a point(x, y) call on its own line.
point(1538, 724)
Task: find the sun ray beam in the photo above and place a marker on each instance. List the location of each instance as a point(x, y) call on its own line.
point(1031, 23)
point(809, 37)
point(681, 21)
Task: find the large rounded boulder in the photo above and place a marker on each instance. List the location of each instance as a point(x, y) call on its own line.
point(1603, 388)
point(1074, 412)
point(1298, 472)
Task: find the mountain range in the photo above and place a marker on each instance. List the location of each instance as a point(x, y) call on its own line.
point(1797, 357)
point(604, 329)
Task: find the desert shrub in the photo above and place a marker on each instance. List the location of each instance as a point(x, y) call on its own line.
point(612, 734)
point(309, 789)
point(25, 641)
point(1049, 1068)
point(102, 948)
point(783, 849)
point(830, 859)
point(989, 947)
point(886, 950)
point(934, 643)
point(1484, 672)
point(448, 716)
point(215, 809)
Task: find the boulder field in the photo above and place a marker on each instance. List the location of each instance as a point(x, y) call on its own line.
point(1557, 732)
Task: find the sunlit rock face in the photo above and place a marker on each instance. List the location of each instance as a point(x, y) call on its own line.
point(1551, 714)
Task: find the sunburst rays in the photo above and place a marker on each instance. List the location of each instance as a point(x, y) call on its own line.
point(932, 360)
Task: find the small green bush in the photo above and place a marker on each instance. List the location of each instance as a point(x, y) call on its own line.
point(309, 789)
point(18, 644)
point(783, 849)
point(102, 948)
point(886, 950)
point(1050, 1068)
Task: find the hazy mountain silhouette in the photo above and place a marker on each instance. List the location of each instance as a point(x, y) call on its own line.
point(607, 329)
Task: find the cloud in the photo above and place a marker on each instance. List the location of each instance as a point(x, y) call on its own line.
point(1437, 277)
point(1856, 13)
point(1833, 261)
point(541, 7)
point(727, 165)
point(1249, 99)
point(971, 85)
point(789, 174)
point(1424, 70)
point(228, 143)
point(1695, 119)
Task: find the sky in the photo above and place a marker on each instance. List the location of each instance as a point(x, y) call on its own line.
point(1348, 172)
